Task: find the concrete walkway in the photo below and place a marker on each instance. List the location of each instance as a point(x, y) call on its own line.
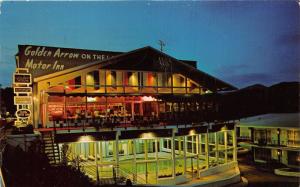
point(216, 180)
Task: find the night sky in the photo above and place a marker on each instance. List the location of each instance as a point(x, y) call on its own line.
point(240, 42)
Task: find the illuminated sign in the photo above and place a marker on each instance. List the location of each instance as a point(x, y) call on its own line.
point(23, 113)
point(22, 78)
point(43, 60)
point(22, 89)
point(22, 100)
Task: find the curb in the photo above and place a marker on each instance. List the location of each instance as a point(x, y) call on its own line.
point(244, 181)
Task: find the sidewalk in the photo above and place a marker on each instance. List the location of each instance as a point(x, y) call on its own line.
point(216, 180)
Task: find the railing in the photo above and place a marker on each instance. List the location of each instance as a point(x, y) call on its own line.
point(293, 143)
point(132, 176)
point(165, 119)
point(73, 89)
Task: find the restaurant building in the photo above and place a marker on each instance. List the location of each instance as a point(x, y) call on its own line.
point(137, 115)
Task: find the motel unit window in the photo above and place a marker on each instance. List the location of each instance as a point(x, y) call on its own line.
point(293, 137)
point(293, 158)
point(262, 154)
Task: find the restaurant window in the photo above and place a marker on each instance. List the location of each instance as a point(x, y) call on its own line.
point(55, 108)
point(74, 83)
point(136, 108)
point(92, 79)
point(75, 107)
point(96, 79)
point(131, 78)
point(111, 78)
point(178, 80)
point(164, 79)
point(77, 82)
point(149, 108)
point(141, 79)
point(149, 79)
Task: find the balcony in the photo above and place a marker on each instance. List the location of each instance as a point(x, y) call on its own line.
point(121, 89)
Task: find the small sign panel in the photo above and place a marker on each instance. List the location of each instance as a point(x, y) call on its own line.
point(23, 113)
point(23, 100)
point(22, 89)
point(22, 78)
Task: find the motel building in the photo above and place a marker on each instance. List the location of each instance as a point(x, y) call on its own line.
point(273, 138)
point(135, 115)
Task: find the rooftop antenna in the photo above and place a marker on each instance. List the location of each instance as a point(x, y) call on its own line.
point(161, 44)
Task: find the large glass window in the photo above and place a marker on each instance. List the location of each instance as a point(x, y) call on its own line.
point(131, 82)
point(92, 80)
point(55, 108)
point(179, 83)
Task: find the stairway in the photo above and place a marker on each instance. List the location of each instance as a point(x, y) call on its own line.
point(50, 148)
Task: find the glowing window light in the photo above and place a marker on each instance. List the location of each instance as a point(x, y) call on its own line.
point(86, 138)
point(91, 99)
point(147, 135)
point(148, 98)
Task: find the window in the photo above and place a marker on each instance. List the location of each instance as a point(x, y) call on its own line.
point(78, 82)
point(262, 154)
point(96, 79)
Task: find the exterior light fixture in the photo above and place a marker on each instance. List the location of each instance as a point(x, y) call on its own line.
point(278, 153)
point(86, 138)
point(192, 132)
point(147, 135)
point(224, 128)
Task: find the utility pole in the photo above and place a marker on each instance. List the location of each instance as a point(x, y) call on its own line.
point(161, 44)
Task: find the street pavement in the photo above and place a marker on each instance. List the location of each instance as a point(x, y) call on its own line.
point(261, 177)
